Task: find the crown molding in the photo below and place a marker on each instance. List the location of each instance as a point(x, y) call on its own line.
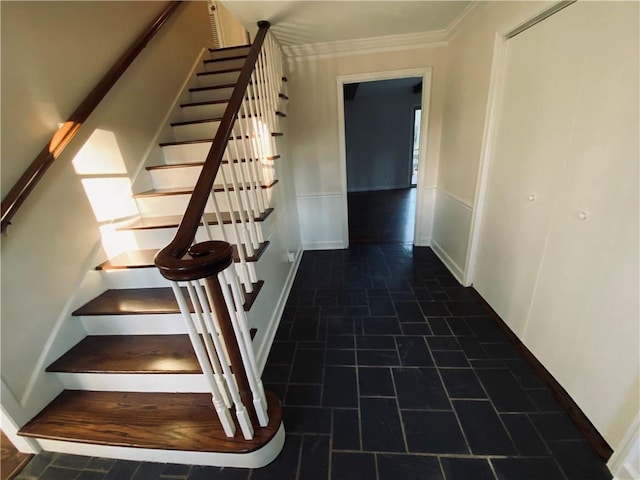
point(435, 38)
point(387, 43)
point(454, 27)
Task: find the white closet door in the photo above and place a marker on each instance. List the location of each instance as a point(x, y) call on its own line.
point(563, 270)
point(584, 320)
point(537, 105)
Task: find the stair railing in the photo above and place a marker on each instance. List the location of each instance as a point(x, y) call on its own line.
point(209, 289)
point(65, 133)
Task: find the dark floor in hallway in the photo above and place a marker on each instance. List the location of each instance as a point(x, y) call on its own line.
point(388, 369)
point(382, 216)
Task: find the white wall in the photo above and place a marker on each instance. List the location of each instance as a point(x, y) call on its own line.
point(379, 140)
point(315, 150)
point(52, 54)
point(558, 250)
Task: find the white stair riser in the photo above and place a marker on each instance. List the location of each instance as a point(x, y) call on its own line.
point(216, 79)
point(188, 176)
point(177, 204)
point(160, 237)
point(114, 382)
point(134, 278)
point(154, 324)
point(218, 54)
point(211, 95)
point(197, 152)
point(197, 112)
point(195, 131)
point(224, 64)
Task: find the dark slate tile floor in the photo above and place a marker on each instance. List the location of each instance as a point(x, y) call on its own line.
point(389, 370)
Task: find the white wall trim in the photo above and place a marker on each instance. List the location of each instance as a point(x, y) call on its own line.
point(454, 27)
point(274, 322)
point(361, 46)
point(486, 152)
point(387, 43)
point(453, 267)
point(325, 245)
point(426, 75)
point(625, 461)
point(455, 198)
point(10, 417)
point(319, 195)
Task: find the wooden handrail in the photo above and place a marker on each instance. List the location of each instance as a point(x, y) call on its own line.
point(61, 138)
point(170, 259)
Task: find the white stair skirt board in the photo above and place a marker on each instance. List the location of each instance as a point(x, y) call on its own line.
point(156, 324)
point(256, 459)
point(216, 79)
point(224, 64)
point(196, 112)
point(211, 95)
point(195, 131)
point(133, 382)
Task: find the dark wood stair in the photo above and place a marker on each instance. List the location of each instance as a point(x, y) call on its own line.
point(200, 164)
point(129, 354)
point(163, 192)
point(167, 421)
point(144, 258)
point(172, 221)
point(145, 301)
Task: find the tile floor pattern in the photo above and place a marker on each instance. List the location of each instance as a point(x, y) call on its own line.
point(389, 370)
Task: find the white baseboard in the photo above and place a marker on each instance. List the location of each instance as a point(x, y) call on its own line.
point(326, 245)
point(453, 267)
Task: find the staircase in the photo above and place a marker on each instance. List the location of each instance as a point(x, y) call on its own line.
point(159, 376)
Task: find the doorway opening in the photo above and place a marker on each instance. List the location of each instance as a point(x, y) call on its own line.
point(382, 121)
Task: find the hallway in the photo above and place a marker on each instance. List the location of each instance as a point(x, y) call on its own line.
point(389, 370)
point(382, 216)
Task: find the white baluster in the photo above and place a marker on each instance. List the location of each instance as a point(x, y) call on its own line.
point(241, 412)
point(198, 309)
point(223, 412)
point(227, 280)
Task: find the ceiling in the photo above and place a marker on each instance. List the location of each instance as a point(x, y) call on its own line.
point(302, 22)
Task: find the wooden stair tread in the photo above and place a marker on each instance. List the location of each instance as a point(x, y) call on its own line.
point(163, 192)
point(216, 119)
point(145, 301)
point(200, 164)
point(234, 57)
point(129, 354)
point(209, 140)
point(170, 421)
point(214, 87)
point(144, 258)
point(225, 49)
point(172, 221)
point(199, 104)
point(226, 70)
